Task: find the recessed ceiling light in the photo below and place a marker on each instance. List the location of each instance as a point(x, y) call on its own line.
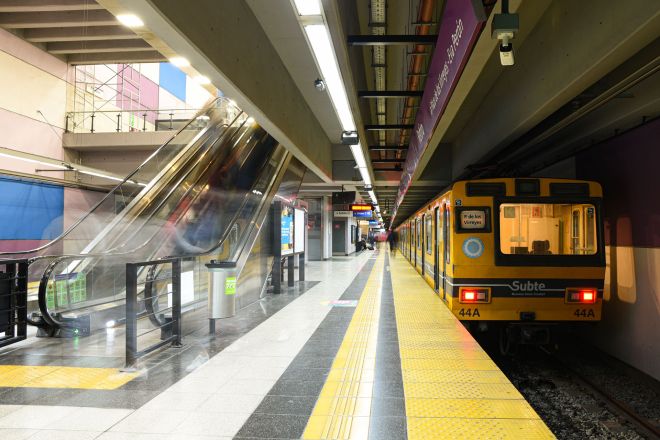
point(130, 20)
point(179, 62)
point(202, 80)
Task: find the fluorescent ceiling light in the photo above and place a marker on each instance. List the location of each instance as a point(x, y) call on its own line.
point(359, 156)
point(130, 20)
point(179, 62)
point(308, 7)
point(202, 80)
point(319, 39)
point(103, 176)
point(364, 172)
point(26, 159)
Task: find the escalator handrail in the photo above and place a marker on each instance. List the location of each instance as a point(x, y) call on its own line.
point(43, 284)
point(42, 295)
point(118, 186)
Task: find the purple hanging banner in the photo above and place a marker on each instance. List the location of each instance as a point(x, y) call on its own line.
point(462, 20)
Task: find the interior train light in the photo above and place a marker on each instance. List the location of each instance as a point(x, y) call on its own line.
point(474, 295)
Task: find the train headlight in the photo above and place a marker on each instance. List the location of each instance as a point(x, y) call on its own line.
point(474, 295)
point(581, 295)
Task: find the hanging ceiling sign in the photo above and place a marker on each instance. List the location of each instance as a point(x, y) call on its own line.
point(462, 21)
point(361, 207)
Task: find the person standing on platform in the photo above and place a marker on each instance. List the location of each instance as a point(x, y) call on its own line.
point(392, 241)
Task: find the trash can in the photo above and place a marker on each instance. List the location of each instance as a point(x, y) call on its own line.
point(222, 289)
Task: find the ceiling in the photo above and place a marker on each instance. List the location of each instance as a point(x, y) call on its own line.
point(76, 31)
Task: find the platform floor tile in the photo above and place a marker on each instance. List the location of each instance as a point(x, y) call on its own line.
point(29, 376)
point(344, 404)
point(452, 388)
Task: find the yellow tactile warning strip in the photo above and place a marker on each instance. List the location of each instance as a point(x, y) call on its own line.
point(452, 389)
point(343, 407)
point(24, 376)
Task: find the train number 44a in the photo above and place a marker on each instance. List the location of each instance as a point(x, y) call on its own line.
point(585, 313)
point(472, 313)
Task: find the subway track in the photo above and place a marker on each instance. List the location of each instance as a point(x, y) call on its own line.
point(580, 392)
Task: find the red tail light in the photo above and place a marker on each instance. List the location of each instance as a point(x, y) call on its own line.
point(583, 296)
point(474, 295)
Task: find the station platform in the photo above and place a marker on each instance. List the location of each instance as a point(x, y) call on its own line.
point(365, 350)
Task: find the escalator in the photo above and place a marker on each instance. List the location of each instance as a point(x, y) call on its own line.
point(204, 195)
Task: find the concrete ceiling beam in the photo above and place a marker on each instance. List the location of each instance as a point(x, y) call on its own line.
point(228, 45)
point(570, 48)
point(71, 47)
point(147, 56)
point(47, 5)
point(86, 33)
point(27, 20)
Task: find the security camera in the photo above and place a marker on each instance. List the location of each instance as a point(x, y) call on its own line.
point(504, 28)
point(506, 52)
point(319, 85)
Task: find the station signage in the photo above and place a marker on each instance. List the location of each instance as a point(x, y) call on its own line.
point(361, 207)
point(374, 223)
point(363, 214)
point(343, 214)
point(462, 21)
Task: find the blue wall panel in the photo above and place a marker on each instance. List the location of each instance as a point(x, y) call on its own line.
point(173, 80)
point(30, 211)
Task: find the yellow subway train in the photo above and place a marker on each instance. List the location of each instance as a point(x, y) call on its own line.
point(524, 253)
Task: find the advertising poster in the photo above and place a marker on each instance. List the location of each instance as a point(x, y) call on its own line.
point(287, 230)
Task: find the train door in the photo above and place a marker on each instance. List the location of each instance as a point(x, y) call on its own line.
point(424, 238)
point(445, 248)
point(436, 257)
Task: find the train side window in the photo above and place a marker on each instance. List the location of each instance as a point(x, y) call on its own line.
point(548, 229)
point(428, 219)
point(448, 234)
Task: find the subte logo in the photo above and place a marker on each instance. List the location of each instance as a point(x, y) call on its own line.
point(527, 286)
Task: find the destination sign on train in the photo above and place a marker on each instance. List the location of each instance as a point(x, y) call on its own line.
point(473, 219)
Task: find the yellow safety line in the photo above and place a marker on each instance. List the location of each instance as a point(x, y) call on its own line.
point(24, 376)
point(344, 405)
point(452, 388)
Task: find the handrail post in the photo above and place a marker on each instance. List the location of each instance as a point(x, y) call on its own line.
point(144, 121)
point(171, 120)
point(92, 128)
point(131, 316)
point(66, 123)
point(176, 302)
point(118, 122)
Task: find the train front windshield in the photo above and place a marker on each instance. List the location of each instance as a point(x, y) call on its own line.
point(548, 229)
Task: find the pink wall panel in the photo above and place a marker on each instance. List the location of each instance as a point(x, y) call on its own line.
point(20, 245)
point(31, 54)
point(137, 91)
point(25, 134)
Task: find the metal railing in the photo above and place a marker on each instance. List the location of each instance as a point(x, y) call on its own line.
point(136, 310)
point(13, 301)
point(131, 120)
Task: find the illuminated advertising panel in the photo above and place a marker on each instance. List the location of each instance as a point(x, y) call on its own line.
point(287, 233)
